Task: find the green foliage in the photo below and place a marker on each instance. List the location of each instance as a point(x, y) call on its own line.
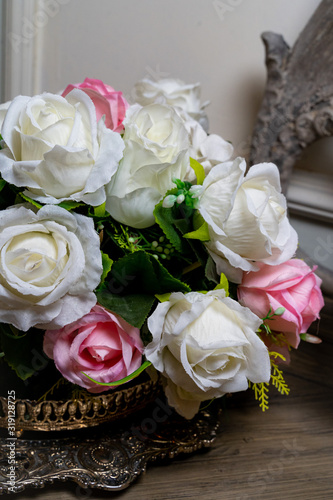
point(132, 284)
point(80, 394)
point(270, 315)
point(277, 377)
point(30, 200)
point(126, 239)
point(70, 205)
point(261, 394)
point(11, 332)
point(210, 271)
point(224, 284)
point(8, 194)
point(133, 308)
point(54, 388)
point(278, 338)
point(175, 222)
point(123, 380)
point(22, 352)
point(100, 210)
point(198, 170)
point(164, 297)
point(107, 264)
point(202, 233)
point(2, 184)
point(277, 380)
point(146, 338)
point(207, 405)
point(141, 273)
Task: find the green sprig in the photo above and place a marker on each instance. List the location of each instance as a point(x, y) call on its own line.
point(50, 391)
point(278, 312)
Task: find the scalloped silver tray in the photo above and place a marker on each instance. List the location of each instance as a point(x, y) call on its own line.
point(107, 457)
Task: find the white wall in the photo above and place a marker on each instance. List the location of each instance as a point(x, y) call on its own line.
point(216, 42)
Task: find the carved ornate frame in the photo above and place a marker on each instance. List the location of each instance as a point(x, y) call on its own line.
point(297, 108)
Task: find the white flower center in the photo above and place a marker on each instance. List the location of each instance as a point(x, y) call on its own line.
point(46, 115)
point(160, 131)
point(37, 258)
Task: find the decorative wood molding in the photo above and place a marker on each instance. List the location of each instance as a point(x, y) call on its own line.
point(297, 108)
point(311, 194)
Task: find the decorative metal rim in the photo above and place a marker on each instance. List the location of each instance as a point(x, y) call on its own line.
point(78, 413)
point(109, 458)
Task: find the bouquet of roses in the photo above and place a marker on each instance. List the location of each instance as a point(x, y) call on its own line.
point(130, 237)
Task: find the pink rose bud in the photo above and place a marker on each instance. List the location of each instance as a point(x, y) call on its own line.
point(292, 285)
point(107, 101)
point(101, 344)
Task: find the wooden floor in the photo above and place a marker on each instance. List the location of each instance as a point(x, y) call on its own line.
point(286, 453)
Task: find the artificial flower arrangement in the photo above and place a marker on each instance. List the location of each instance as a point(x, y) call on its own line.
point(130, 237)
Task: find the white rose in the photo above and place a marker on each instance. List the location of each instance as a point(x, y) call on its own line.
point(206, 346)
point(57, 150)
point(184, 96)
point(209, 150)
point(50, 263)
point(3, 110)
point(156, 151)
point(246, 217)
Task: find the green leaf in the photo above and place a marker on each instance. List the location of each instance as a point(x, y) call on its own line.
point(140, 273)
point(133, 375)
point(12, 332)
point(107, 264)
point(133, 308)
point(201, 228)
point(23, 353)
point(210, 270)
point(223, 285)
point(30, 200)
point(70, 205)
point(164, 297)
point(198, 170)
point(100, 210)
point(201, 234)
point(132, 284)
point(2, 184)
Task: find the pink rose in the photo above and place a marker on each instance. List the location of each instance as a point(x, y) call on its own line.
point(101, 344)
point(292, 285)
point(107, 101)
